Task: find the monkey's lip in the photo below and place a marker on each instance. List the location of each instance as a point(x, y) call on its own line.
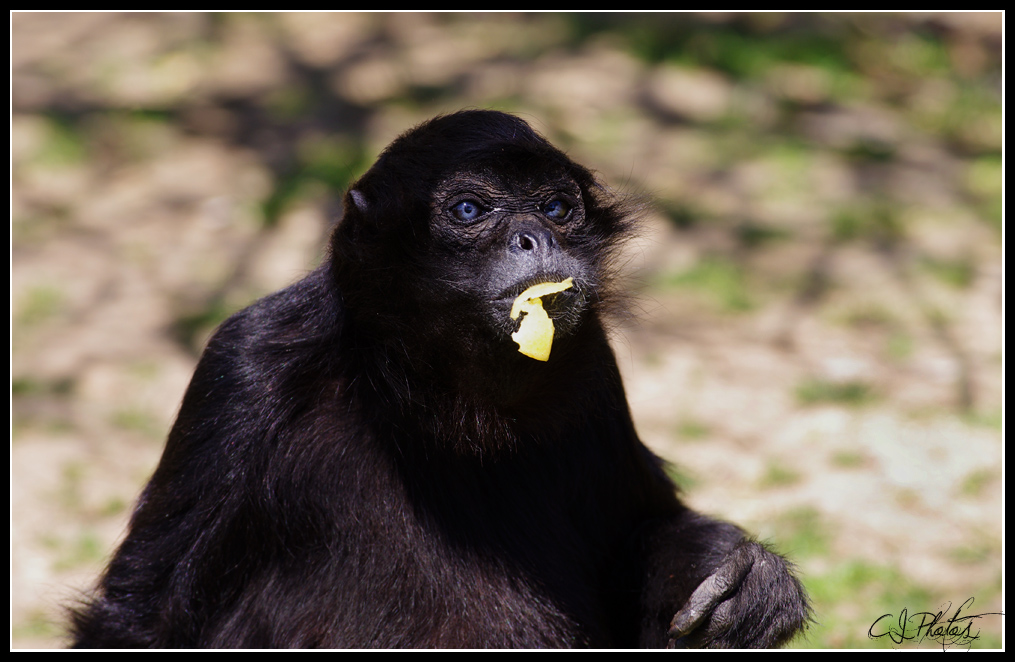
point(511, 293)
point(564, 308)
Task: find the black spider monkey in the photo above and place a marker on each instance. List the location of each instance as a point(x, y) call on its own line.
point(367, 458)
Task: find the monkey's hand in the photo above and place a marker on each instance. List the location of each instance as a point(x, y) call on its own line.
point(751, 600)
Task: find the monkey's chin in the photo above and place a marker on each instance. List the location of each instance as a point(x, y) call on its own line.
point(561, 312)
point(535, 334)
point(535, 311)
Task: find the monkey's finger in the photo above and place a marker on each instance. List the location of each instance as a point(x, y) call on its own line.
point(710, 593)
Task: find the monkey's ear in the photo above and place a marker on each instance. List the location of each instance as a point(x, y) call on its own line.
point(359, 200)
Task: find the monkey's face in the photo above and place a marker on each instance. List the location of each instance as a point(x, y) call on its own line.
point(455, 221)
point(497, 236)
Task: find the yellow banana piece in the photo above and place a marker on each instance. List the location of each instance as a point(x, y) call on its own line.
point(535, 334)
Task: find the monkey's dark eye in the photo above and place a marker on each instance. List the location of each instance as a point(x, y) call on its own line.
point(557, 208)
point(467, 210)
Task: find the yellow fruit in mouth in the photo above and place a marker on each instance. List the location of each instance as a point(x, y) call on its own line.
point(535, 334)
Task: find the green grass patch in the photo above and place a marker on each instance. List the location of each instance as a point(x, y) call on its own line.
point(778, 476)
point(721, 280)
point(64, 144)
point(37, 625)
point(86, 549)
point(691, 429)
point(899, 346)
point(803, 534)
point(848, 460)
point(850, 597)
point(137, 420)
point(40, 304)
point(977, 481)
point(958, 273)
point(850, 393)
point(680, 477)
point(331, 161)
point(877, 222)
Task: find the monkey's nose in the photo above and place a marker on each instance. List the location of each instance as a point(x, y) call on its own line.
point(534, 239)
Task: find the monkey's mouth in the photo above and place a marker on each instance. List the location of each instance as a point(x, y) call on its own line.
point(564, 308)
point(512, 292)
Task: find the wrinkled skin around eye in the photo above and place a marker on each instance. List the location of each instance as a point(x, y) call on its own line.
point(467, 210)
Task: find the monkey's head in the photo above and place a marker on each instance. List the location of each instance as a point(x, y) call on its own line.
point(456, 219)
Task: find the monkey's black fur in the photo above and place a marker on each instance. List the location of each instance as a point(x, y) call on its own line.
point(364, 459)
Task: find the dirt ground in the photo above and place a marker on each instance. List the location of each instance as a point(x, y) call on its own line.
point(831, 382)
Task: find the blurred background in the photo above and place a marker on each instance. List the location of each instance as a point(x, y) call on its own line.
point(816, 341)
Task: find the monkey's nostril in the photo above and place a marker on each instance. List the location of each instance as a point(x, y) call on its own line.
point(526, 242)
